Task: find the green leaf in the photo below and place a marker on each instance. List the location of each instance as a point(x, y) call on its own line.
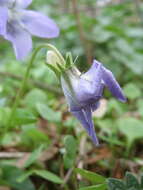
point(95, 187)
point(10, 175)
point(134, 32)
point(106, 125)
point(115, 184)
point(71, 149)
point(42, 173)
point(101, 34)
point(142, 181)
point(48, 114)
point(140, 106)
point(42, 187)
point(10, 139)
point(23, 116)
point(24, 176)
point(70, 145)
point(132, 128)
point(34, 156)
point(116, 107)
point(112, 140)
point(131, 181)
point(4, 115)
point(34, 135)
point(4, 183)
point(129, 58)
point(132, 91)
point(91, 176)
point(35, 96)
point(48, 176)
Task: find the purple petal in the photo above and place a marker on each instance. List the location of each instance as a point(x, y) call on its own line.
point(90, 85)
point(22, 3)
point(89, 91)
point(3, 20)
point(94, 74)
point(95, 106)
point(85, 117)
point(39, 25)
point(112, 84)
point(21, 40)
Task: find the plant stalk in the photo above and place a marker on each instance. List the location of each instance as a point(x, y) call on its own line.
point(25, 79)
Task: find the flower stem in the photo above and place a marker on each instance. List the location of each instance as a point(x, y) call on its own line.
point(25, 79)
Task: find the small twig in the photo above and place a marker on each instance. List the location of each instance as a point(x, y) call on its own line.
point(79, 160)
point(138, 10)
point(64, 6)
point(33, 82)
point(12, 154)
point(4, 188)
point(83, 39)
point(67, 177)
point(81, 153)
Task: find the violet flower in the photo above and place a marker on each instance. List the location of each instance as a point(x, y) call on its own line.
point(83, 92)
point(18, 24)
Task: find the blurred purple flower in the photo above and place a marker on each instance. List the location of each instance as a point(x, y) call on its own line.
point(83, 92)
point(17, 25)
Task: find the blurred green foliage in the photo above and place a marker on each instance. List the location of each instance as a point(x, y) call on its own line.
point(50, 141)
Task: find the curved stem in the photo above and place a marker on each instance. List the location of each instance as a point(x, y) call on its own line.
point(57, 52)
point(26, 76)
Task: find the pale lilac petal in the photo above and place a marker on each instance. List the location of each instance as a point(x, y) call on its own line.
point(71, 99)
point(112, 84)
point(86, 90)
point(21, 40)
point(85, 117)
point(4, 2)
point(22, 3)
point(39, 25)
point(15, 3)
point(3, 20)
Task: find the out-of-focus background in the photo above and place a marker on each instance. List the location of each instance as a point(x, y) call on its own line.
point(46, 143)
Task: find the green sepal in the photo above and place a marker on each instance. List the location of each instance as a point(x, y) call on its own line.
point(69, 60)
point(61, 68)
point(55, 70)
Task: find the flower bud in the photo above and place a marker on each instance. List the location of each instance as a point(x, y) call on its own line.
point(52, 58)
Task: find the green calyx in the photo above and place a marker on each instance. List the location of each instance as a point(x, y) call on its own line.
point(56, 62)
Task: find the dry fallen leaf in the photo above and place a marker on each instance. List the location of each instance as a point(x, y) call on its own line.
point(21, 162)
point(4, 188)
